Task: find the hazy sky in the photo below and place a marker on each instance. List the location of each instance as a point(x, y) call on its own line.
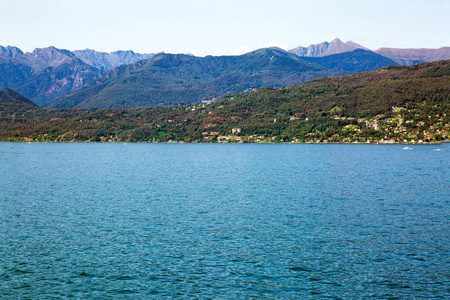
point(203, 27)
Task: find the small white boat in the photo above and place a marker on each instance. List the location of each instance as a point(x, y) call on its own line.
point(407, 148)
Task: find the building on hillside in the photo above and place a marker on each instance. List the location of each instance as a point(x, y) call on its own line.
point(236, 130)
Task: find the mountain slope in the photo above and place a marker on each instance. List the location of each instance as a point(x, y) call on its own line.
point(107, 61)
point(326, 48)
point(393, 104)
point(12, 69)
point(11, 94)
point(169, 79)
point(44, 74)
point(12, 103)
point(356, 61)
point(57, 81)
point(415, 56)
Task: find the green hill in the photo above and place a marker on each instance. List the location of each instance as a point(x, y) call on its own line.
point(355, 61)
point(12, 101)
point(393, 104)
point(169, 79)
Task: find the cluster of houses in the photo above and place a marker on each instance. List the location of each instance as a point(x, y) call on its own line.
point(395, 128)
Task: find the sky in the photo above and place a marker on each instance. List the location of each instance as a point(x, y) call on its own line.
point(230, 27)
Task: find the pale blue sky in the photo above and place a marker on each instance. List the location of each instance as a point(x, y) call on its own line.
point(211, 27)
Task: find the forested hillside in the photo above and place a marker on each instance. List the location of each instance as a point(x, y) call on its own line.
point(169, 79)
point(390, 105)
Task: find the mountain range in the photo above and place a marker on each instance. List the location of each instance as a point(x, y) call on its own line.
point(396, 104)
point(54, 77)
point(415, 56)
point(336, 46)
point(169, 79)
point(106, 61)
point(49, 73)
point(173, 79)
point(400, 56)
point(44, 74)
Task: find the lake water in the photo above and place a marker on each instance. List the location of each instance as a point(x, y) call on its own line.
point(139, 221)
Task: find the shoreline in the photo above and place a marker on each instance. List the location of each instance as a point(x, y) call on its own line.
point(231, 143)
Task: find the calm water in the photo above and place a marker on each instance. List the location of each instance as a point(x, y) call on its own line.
point(114, 221)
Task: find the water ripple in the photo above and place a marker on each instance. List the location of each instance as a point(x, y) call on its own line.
point(224, 222)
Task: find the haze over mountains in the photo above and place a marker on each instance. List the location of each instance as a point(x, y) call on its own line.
point(43, 74)
point(170, 79)
point(336, 46)
point(415, 56)
point(49, 73)
point(87, 78)
point(401, 56)
point(107, 61)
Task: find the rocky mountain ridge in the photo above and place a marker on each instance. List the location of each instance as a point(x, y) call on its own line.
point(396, 104)
point(48, 73)
point(401, 56)
point(169, 79)
point(336, 46)
point(172, 79)
point(45, 73)
point(106, 61)
point(415, 56)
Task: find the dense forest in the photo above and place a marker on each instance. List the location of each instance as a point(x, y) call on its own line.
point(391, 105)
point(179, 79)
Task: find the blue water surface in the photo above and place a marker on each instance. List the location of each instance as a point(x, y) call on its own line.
point(236, 221)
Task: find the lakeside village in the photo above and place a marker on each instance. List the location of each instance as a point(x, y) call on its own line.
point(418, 123)
point(400, 126)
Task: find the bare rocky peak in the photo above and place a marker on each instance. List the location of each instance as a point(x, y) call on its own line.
point(42, 58)
point(107, 61)
point(326, 48)
point(10, 51)
point(44, 73)
point(50, 57)
point(52, 53)
point(39, 59)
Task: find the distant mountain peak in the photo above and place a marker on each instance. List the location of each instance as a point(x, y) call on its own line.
point(326, 48)
point(106, 61)
point(53, 51)
point(172, 79)
point(10, 51)
point(43, 74)
point(415, 56)
point(336, 41)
